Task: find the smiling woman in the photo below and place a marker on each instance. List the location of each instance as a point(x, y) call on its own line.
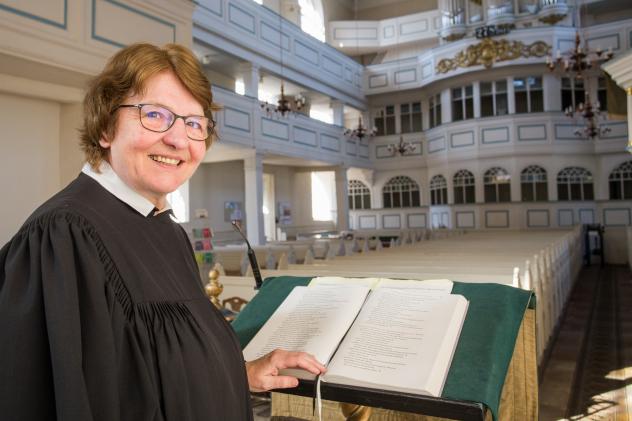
point(102, 316)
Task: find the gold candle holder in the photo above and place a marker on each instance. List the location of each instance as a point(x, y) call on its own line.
point(353, 412)
point(213, 289)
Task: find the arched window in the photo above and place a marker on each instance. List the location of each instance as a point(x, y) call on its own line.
point(497, 187)
point(438, 190)
point(620, 181)
point(359, 195)
point(400, 192)
point(464, 187)
point(312, 18)
point(574, 183)
point(533, 184)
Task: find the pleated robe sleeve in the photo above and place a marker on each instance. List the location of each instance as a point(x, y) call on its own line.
point(56, 342)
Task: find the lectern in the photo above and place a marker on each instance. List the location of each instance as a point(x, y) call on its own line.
point(479, 367)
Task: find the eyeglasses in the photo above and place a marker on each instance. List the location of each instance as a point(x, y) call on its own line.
point(159, 119)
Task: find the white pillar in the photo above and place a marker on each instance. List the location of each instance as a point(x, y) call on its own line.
point(425, 114)
point(511, 96)
point(628, 90)
point(342, 200)
point(253, 180)
point(476, 92)
point(250, 75)
point(339, 112)
point(291, 11)
point(552, 86)
point(446, 106)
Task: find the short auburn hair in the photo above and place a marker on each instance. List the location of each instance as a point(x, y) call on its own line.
point(126, 74)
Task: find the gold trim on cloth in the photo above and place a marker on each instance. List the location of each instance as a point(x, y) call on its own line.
point(489, 51)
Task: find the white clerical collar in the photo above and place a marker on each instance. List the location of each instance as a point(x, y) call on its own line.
point(110, 181)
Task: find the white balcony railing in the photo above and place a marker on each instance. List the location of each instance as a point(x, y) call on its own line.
point(256, 34)
point(242, 123)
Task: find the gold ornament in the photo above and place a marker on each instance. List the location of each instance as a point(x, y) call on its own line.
point(552, 19)
point(489, 51)
point(213, 289)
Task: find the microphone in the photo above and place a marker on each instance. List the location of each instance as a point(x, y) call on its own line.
point(251, 257)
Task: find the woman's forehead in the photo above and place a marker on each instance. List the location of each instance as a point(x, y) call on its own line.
point(166, 89)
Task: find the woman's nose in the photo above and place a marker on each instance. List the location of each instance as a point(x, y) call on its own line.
point(176, 136)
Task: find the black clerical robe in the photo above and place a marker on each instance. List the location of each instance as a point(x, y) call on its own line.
point(103, 317)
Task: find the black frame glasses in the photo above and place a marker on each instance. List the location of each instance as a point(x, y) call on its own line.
point(191, 131)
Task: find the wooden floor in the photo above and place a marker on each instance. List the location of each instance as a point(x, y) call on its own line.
point(589, 373)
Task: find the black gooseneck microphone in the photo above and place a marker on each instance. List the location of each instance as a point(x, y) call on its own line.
point(251, 257)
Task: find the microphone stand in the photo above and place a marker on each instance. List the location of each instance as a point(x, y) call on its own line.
point(251, 257)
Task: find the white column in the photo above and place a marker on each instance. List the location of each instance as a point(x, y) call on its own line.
point(476, 92)
point(425, 114)
point(342, 200)
point(446, 106)
point(628, 90)
point(250, 75)
point(398, 118)
point(253, 180)
point(511, 96)
point(291, 11)
point(552, 86)
point(339, 114)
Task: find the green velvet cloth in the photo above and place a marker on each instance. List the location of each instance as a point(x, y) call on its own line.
point(485, 348)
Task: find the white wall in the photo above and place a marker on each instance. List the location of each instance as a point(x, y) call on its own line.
point(30, 171)
point(71, 157)
point(212, 185)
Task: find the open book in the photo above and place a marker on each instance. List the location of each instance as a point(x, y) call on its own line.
point(376, 333)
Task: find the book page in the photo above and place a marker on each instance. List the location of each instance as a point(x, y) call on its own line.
point(338, 280)
point(311, 319)
point(403, 340)
point(439, 287)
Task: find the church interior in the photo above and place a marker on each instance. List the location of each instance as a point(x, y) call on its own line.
point(481, 141)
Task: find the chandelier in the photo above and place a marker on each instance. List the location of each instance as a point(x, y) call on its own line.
point(402, 147)
point(285, 105)
point(579, 59)
point(360, 132)
point(591, 115)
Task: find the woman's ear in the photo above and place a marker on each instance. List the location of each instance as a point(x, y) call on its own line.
point(105, 142)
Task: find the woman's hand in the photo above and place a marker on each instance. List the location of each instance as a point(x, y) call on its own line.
point(263, 373)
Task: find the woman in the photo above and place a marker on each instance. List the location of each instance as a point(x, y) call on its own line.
point(102, 316)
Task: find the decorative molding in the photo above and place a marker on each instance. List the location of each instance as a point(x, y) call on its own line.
point(416, 220)
point(234, 123)
point(524, 134)
point(404, 76)
point(465, 219)
point(39, 18)
point(267, 130)
point(329, 142)
point(497, 219)
point(460, 140)
point(616, 217)
point(565, 217)
point(391, 221)
point(367, 221)
point(305, 52)
point(305, 137)
point(241, 13)
point(204, 5)
point(381, 80)
point(492, 135)
point(124, 6)
point(489, 51)
point(586, 216)
point(439, 141)
point(534, 216)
